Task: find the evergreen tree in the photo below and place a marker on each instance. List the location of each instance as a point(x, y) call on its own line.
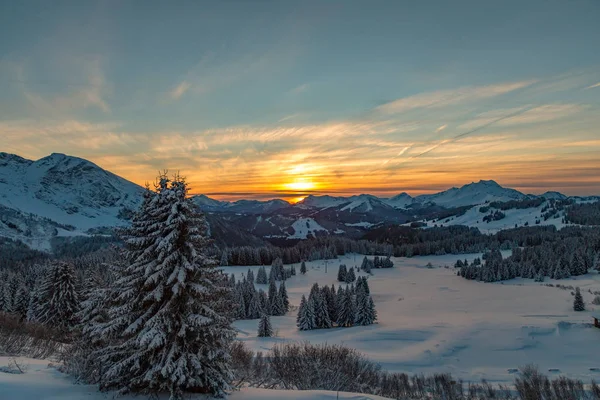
point(264, 302)
point(284, 297)
point(264, 326)
point(322, 319)
point(255, 309)
point(306, 315)
point(21, 303)
point(365, 308)
point(250, 276)
point(261, 276)
point(168, 329)
point(240, 305)
point(224, 258)
point(341, 276)
point(578, 304)
point(350, 276)
point(272, 295)
point(277, 307)
point(346, 309)
point(57, 298)
point(330, 298)
point(293, 270)
point(303, 268)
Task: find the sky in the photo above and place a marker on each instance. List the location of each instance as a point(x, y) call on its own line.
point(265, 99)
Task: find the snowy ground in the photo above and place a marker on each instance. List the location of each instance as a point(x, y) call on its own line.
point(430, 321)
point(41, 381)
point(474, 218)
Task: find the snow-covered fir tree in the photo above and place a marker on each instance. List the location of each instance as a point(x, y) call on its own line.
point(293, 270)
point(250, 276)
point(169, 328)
point(224, 258)
point(264, 326)
point(306, 315)
point(342, 272)
point(21, 303)
point(284, 297)
point(303, 268)
point(57, 297)
point(578, 303)
point(350, 276)
point(261, 276)
point(365, 308)
point(322, 319)
point(254, 308)
point(346, 309)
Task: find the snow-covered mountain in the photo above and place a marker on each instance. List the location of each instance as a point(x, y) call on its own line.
point(473, 193)
point(401, 200)
point(68, 190)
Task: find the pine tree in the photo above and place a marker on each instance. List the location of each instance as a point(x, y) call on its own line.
point(341, 276)
point(272, 295)
point(261, 276)
point(322, 319)
point(224, 258)
point(250, 276)
point(284, 297)
point(578, 304)
point(169, 329)
point(293, 270)
point(303, 268)
point(264, 326)
point(346, 309)
point(277, 307)
point(240, 305)
point(306, 315)
point(264, 302)
point(21, 304)
point(365, 308)
point(330, 298)
point(57, 297)
point(255, 309)
point(350, 276)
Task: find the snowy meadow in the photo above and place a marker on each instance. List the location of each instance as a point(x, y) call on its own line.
point(432, 321)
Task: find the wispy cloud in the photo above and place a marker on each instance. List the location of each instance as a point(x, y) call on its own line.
point(441, 128)
point(445, 98)
point(300, 89)
point(593, 86)
point(179, 90)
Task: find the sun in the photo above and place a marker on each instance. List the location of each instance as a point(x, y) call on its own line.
point(299, 185)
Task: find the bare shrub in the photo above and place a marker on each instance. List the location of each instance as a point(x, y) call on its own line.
point(28, 339)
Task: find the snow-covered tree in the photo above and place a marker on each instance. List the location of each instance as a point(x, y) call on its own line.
point(224, 258)
point(322, 319)
point(168, 329)
point(250, 276)
point(350, 276)
point(293, 270)
point(254, 308)
point(346, 309)
point(342, 272)
point(261, 276)
point(264, 326)
point(306, 315)
point(365, 308)
point(284, 297)
point(57, 297)
point(578, 304)
point(303, 268)
point(21, 303)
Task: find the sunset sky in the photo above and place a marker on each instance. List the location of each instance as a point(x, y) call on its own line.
point(263, 99)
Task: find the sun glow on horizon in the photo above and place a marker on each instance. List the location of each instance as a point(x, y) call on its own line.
point(300, 185)
point(295, 200)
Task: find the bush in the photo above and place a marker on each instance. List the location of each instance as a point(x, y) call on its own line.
point(27, 339)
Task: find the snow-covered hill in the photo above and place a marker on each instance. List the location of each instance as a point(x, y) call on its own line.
point(59, 190)
point(473, 193)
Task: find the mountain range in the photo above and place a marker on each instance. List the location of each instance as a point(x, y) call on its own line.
point(61, 195)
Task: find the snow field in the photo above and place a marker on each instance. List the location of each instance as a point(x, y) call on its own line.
point(432, 321)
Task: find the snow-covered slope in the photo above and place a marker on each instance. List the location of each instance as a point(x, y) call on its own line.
point(43, 381)
point(401, 200)
point(66, 189)
point(322, 201)
point(473, 193)
point(304, 227)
